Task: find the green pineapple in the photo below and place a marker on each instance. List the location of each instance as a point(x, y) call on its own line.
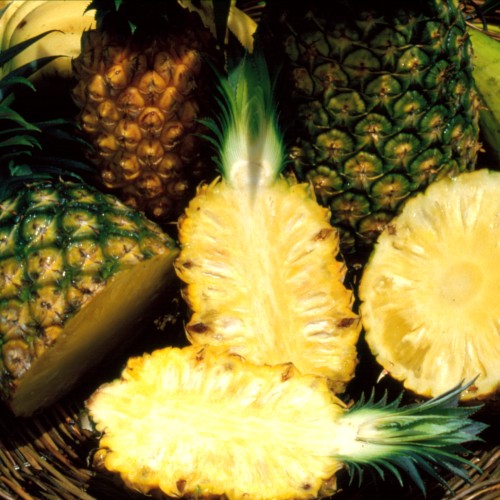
point(76, 266)
point(379, 100)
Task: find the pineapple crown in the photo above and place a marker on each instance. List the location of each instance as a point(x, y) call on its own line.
point(30, 151)
point(413, 437)
point(247, 135)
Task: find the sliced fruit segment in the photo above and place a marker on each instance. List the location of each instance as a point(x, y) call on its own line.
point(430, 292)
point(259, 258)
point(199, 422)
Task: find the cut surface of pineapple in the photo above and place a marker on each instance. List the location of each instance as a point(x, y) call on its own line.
point(76, 269)
point(262, 278)
point(259, 258)
point(431, 290)
point(199, 422)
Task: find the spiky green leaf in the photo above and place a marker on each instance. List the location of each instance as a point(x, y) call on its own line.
point(413, 438)
point(249, 142)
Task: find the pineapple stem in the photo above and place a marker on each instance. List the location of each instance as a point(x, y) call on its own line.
point(412, 438)
point(247, 135)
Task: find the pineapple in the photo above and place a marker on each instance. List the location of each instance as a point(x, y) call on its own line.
point(141, 88)
point(430, 291)
point(76, 266)
point(258, 254)
point(199, 422)
point(379, 102)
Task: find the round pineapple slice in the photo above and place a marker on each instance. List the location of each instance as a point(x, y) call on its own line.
point(431, 290)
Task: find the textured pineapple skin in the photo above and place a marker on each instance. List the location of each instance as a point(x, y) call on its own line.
point(199, 422)
point(429, 292)
point(379, 101)
point(263, 279)
point(139, 103)
point(61, 245)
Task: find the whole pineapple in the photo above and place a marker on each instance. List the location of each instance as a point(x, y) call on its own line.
point(141, 88)
point(259, 258)
point(379, 101)
point(77, 267)
point(204, 423)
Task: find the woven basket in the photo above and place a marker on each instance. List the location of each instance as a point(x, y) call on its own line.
point(48, 456)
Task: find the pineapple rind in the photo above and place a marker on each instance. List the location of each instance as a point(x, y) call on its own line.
point(62, 246)
point(262, 279)
point(199, 421)
point(391, 80)
point(430, 291)
point(139, 100)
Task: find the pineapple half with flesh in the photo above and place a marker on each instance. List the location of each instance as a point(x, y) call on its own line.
point(258, 254)
point(379, 101)
point(199, 422)
point(76, 269)
point(142, 85)
point(430, 293)
point(76, 266)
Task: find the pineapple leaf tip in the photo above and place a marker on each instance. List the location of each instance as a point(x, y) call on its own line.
point(419, 437)
point(247, 133)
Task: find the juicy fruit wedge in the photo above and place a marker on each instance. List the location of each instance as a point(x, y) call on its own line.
point(262, 279)
point(431, 291)
point(199, 422)
point(76, 269)
point(91, 333)
point(259, 257)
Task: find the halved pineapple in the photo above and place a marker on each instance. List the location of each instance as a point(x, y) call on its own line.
point(431, 290)
point(259, 257)
point(77, 268)
point(199, 422)
point(262, 278)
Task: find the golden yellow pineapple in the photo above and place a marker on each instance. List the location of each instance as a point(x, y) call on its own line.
point(431, 290)
point(259, 256)
point(141, 88)
point(199, 422)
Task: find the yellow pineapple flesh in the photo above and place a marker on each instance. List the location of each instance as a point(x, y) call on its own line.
point(430, 292)
point(262, 278)
point(199, 422)
point(259, 258)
